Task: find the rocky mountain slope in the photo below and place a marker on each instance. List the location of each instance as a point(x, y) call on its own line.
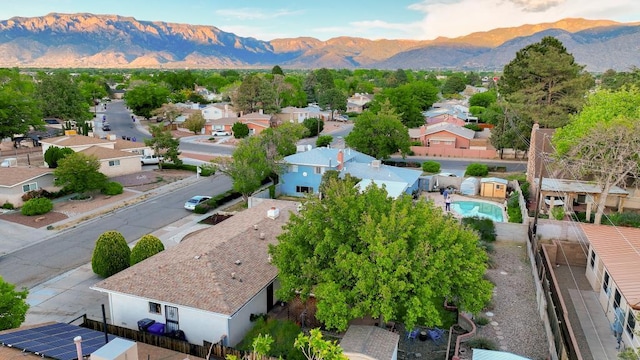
point(112, 41)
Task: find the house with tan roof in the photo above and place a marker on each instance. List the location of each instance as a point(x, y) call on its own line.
point(117, 157)
point(16, 181)
point(258, 121)
point(115, 162)
point(612, 271)
point(210, 284)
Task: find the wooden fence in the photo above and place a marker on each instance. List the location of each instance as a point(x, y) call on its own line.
point(218, 351)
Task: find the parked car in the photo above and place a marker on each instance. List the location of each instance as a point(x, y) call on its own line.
point(151, 159)
point(194, 201)
point(106, 127)
point(447, 174)
point(342, 118)
point(221, 133)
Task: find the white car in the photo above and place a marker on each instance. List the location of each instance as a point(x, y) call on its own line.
point(194, 201)
point(151, 159)
point(221, 133)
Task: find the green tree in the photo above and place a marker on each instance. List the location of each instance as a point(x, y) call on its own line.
point(366, 254)
point(454, 84)
point(146, 247)
point(324, 140)
point(545, 84)
point(314, 126)
point(281, 141)
point(170, 112)
point(253, 94)
point(59, 96)
point(277, 70)
point(80, 173)
point(146, 97)
point(601, 143)
point(333, 99)
point(13, 305)
point(484, 99)
point(163, 143)
point(379, 135)
point(240, 130)
point(248, 167)
point(20, 111)
point(54, 154)
point(195, 123)
point(408, 101)
point(314, 347)
point(111, 254)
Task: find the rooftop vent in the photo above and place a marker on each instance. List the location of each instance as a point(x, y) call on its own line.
point(238, 262)
point(376, 163)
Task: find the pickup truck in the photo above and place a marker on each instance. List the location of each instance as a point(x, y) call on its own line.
point(151, 159)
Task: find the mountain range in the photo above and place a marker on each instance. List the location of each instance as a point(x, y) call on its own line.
point(110, 41)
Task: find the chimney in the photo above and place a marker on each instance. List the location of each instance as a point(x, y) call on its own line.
point(340, 160)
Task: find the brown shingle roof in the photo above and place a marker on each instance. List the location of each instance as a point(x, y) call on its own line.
point(125, 145)
point(371, 341)
point(107, 154)
point(12, 176)
point(74, 140)
point(619, 249)
point(199, 270)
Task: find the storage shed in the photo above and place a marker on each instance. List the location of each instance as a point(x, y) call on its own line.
point(470, 186)
point(493, 187)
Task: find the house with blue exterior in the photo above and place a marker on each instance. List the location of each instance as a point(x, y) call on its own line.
point(303, 171)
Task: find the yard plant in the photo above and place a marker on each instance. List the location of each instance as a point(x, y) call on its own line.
point(111, 254)
point(36, 206)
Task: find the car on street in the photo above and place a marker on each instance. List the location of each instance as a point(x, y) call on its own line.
point(151, 159)
point(106, 126)
point(221, 133)
point(194, 201)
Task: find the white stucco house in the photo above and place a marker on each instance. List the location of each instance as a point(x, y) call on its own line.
point(208, 285)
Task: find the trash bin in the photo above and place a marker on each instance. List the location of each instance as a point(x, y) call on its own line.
point(144, 324)
point(156, 329)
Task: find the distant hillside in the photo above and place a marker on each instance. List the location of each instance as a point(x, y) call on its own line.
point(112, 41)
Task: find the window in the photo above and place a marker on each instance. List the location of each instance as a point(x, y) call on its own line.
point(616, 300)
point(29, 187)
point(592, 260)
point(304, 189)
point(293, 168)
point(114, 162)
point(317, 170)
point(631, 323)
point(605, 283)
point(155, 308)
point(498, 187)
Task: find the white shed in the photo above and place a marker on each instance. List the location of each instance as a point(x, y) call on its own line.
point(470, 186)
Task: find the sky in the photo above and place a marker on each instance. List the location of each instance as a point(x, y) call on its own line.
point(325, 19)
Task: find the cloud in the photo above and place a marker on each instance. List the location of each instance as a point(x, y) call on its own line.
point(255, 13)
point(537, 5)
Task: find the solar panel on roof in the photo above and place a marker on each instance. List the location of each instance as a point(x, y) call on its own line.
point(55, 340)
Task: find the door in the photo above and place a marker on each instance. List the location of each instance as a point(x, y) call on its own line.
point(171, 315)
point(269, 297)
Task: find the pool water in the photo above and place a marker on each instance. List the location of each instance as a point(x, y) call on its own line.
point(482, 210)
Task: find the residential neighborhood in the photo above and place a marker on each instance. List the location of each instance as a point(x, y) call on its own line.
point(393, 224)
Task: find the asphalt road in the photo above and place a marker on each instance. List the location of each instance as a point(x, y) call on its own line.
point(72, 248)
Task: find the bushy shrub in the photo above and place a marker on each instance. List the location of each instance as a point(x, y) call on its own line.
point(37, 206)
point(481, 320)
point(484, 227)
point(111, 254)
point(283, 332)
point(146, 247)
point(431, 166)
point(513, 208)
point(112, 188)
point(324, 140)
point(557, 212)
point(482, 343)
point(476, 169)
point(205, 169)
point(8, 206)
point(526, 188)
point(622, 219)
point(474, 127)
point(34, 194)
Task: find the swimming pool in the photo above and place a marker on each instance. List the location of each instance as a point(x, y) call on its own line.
point(480, 209)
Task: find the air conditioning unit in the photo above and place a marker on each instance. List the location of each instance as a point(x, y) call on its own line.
point(376, 163)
